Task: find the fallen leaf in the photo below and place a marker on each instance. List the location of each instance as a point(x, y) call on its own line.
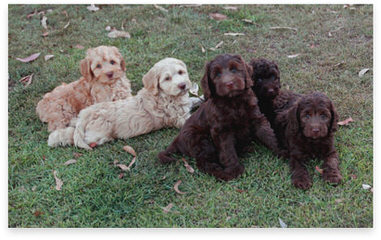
point(329, 34)
point(228, 218)
point(65, 13)
point(345, 122)
point(43, 22)
point(194, 89)
point(217, 46)
point(282, 224)
point(167, 208)
point(339, 200)
point(27, 80)
point(59, 182)
point(121, 175)
point(176, 187)
point(339, 64)
point(164, 177)
point(45, 34)
point(67, 25)
point(92, 8)
point(34, 188)
point(31, 14)
point(116, 34)
point(71, 161)
point(353, 176)
point(38, 213)
point(248, 21)
point(47, 57)
point(93, 144)
point(366, 186)
point(77, 155)
point(30, 58)
point(130, 150)
point(115, 162)
point(241, 191)
point(363, 71)
point(187, 166)
point(202, 49)
point(217, 16)
point(160, 8)
point(284, 28)
point(108, 28)
point(79, 46)
point(230, 8)
point(234, 34)
point(293, 56)
point(123, 167)
point(319, 169)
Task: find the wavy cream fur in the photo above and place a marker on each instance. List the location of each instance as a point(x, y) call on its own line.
point(161, 103)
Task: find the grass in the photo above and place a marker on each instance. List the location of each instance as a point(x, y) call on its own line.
point(94, 196)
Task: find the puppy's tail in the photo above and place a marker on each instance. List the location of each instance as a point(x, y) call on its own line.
point(61, 137)
point(79, 135)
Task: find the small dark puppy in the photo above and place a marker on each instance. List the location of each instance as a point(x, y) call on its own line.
point(221, 128)
point(308, 128)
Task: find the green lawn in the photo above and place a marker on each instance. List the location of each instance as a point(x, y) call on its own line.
point(94, 196)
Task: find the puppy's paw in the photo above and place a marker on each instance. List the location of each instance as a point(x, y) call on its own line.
point(230, 173)
point(302, 182)
point(332, 176)
point(164, 158)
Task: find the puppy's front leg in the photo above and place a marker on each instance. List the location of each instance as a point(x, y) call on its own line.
point(228, 158)
point(331, 171)
point(299, 174)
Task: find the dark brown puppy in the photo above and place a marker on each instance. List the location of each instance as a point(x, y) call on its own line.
point(221, 128)
point(308, 128)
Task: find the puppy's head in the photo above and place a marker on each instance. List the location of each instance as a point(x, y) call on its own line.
point(226, 76)
point(266, 78)
point(314, 115)
point(103, 64)
point(170, 76)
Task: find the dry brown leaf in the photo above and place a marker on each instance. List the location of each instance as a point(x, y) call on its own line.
point(117, 34)
point(59, 182)
point(293, 56)
point(176, 187)
point(167, 208)
point(71, 161)
point(30, 58)
point(217, 46)
point(202, 49)
point(79, 46)
point(121, 175)
point(65, 13)
point(248, 21)
point(67, 25)
point(132, 162)
point(77, 155)
point(241, 191)
point(353, 176)
point(43, 22)
point(130, 150)
point(160, 8)
point(27, 80)
point(92, 8)
point(38, 213)
point(123, 167)
point(187, 166)
point(363, 71)
point(234, 34)
point(47, 57)
point(284, 28)
point(339, 200)
point(217, 16)
point(31, 14)
point(230, 8)
point(319, 169)
point(345, 122)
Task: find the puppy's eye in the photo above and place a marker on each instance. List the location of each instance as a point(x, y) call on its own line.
point(323, 116)
point(181, 72)
point(167, 78)
point(233, 70)
point(308, 116)
point(99, 66)
point(218, 74)
point(259, 80)
point(112, 62)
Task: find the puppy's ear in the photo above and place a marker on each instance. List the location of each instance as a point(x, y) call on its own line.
point(293, 122)
point(206, 84)
point(334, 118)
point(151, 81)
point(249, 75)
point(123, 64)
point(85, 67)
point(119, 55)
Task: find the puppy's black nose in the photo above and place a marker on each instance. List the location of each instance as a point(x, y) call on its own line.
point(315, 130)
point(229, 84)
point(182, 86)
point(270, 91)
point(109, 74)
